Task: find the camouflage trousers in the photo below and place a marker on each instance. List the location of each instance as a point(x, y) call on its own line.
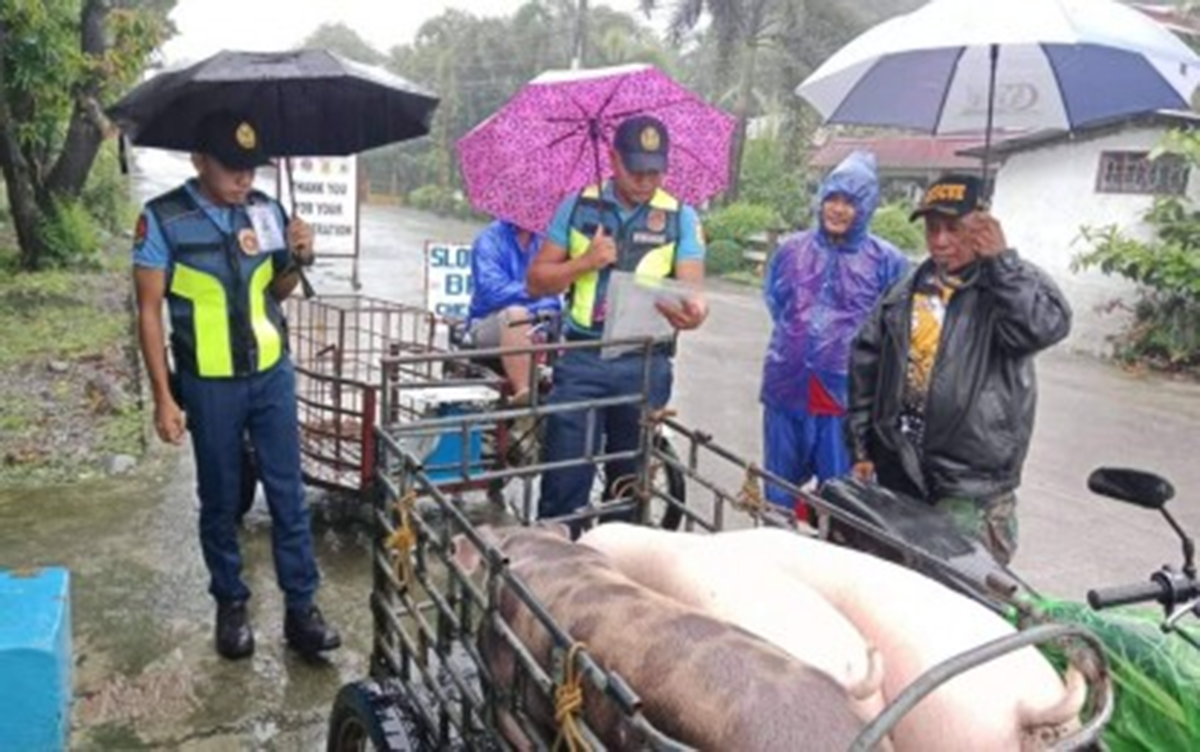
point(992, 521)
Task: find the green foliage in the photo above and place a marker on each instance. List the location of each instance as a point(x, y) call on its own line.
point(723, 257)
point(445, 201)
point(1166, 315)
point(739, 222)
point(891, 223)
point(768, 179)
point(43, 62)
point(107, 194)
point(51, 315)
point(72, 236)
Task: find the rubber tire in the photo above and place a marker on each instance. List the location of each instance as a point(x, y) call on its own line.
point(676, 485)
point(363, 714)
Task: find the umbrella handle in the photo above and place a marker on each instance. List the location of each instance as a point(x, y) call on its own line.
point(305, 285)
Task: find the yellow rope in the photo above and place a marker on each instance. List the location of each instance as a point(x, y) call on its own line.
point(750, 497)
point(568, 704)
point(404, 539)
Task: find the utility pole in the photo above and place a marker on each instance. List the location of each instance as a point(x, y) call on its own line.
point(580, 52)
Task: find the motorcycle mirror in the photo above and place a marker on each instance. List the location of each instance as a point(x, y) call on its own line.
point(1137, 487)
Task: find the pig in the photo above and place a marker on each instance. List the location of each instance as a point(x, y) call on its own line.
point(1010, 703)
point(702, 681)
point(764, 601)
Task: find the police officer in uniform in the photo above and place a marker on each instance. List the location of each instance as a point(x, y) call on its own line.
point(222, 256)
point(630, 224)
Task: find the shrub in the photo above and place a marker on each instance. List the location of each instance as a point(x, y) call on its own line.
point(739, 222)
point(723, 257)
point(72, 236)
point(768, 179)
point(106, 193)
point(891, 223)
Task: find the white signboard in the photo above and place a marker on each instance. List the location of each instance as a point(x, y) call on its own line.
point(326, 191)
point(448, 283)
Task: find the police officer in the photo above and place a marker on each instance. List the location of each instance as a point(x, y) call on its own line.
point(223, 255)
point(630, 224)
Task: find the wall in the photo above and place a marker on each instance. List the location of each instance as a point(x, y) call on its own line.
point(1044, 196)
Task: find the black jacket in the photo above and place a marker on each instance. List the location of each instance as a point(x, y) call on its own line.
point(983, 392)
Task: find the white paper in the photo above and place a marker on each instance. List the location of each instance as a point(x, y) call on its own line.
point(631, 309)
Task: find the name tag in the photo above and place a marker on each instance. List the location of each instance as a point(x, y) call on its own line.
point(649, 238)
point(266, 226)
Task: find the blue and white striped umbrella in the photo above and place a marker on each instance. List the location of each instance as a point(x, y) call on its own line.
point(955, 66)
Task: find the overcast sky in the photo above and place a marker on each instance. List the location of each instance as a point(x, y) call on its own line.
point(208, 26)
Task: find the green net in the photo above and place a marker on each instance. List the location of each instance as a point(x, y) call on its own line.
point(1156, 676)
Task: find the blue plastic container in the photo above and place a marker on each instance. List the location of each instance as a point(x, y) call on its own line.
point(35, 660)
point(444, 463)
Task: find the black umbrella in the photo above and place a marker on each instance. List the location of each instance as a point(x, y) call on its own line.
point(302, 102)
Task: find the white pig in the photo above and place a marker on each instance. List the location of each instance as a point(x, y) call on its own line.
point(763, 600)
point(1006, 704)
point(702, 681)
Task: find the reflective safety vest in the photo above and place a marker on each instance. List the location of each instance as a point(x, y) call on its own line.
point(224, 320)
point(645, 246)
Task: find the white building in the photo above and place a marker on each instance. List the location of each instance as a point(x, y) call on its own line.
point(1052, 185)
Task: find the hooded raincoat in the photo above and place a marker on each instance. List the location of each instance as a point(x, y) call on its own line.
point(819, 291)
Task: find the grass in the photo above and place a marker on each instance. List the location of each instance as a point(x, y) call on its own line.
point(54, 316)
point(61, 329)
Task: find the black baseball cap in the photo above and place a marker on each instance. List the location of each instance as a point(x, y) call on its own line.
point(952, 195)
point(642, 142)
point(231, 139)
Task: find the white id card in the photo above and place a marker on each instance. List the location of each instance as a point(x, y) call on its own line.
point(265, 220)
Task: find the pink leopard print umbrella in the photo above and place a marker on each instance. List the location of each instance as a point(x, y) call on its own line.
point(553, 137)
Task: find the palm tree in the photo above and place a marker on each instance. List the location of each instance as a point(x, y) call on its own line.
point(794, 35)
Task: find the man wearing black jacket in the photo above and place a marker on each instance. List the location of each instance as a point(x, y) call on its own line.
point(942, 384)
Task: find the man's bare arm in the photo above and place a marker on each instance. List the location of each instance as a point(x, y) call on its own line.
point(553, 271)
point(150, 286)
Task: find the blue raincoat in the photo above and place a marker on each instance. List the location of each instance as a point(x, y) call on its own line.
point(819, 292)
point(498, 270)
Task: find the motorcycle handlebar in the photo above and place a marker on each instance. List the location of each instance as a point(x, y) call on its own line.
point(1122, 595)
point(1166, 587)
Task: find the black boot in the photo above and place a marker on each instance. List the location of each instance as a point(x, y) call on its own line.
point(235, 639)
point(307, 633)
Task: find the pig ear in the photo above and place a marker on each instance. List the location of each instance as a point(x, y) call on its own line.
point(560, 529)
point(467, 554)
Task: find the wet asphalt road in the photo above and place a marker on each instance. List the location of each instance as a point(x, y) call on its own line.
point(146, 675)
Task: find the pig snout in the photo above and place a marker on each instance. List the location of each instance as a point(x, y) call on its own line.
point(702, 681)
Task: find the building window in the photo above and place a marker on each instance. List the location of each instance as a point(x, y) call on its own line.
point(1134, 172)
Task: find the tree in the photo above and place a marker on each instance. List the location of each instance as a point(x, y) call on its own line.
point(61, 61)
point(769, 45)
point(341, 39)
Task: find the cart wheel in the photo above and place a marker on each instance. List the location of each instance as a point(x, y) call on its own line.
point(676, 485)
point(365, 718)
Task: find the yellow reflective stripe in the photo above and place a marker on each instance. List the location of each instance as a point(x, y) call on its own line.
point(657, 263)
point(583, 293)
point(592, 191)
point(663, 200)
point(270, 344)
point(210, 319)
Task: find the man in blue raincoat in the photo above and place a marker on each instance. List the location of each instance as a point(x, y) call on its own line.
point(502, 310)
point(820, 286)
